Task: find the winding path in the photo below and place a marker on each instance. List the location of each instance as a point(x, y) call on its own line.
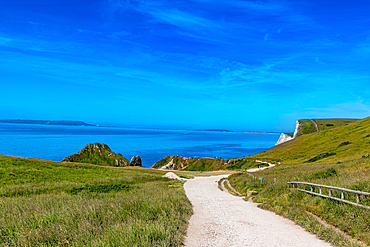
point(221, 219)
point(315, 124)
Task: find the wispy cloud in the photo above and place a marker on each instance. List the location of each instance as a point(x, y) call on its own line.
point(181, 19)
point(318, 61)
point(250, 5)
point(242, 75)
point(358, 108)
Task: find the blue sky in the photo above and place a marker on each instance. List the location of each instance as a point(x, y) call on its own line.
point(243, 65)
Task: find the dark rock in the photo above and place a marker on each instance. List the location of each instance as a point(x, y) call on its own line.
point(135, 161)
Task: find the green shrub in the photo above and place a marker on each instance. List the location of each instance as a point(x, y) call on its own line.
point(320, 156)
point(344, 143)
point(325, 173)
point(99, 188)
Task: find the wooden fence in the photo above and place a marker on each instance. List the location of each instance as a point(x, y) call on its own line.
point(330, 188)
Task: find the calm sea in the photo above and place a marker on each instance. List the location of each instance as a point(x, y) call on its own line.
point(53, 142)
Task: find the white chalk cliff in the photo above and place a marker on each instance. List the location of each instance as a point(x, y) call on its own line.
point(297, 125)
point(286, 137)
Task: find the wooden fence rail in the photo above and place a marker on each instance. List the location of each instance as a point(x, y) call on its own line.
point(341, 199)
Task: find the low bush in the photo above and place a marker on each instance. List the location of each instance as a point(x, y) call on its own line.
point(344, 143)
point(99, 188)
point(324, 173)
point(320, 156)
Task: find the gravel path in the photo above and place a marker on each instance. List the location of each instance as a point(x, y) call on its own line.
point(221, 219)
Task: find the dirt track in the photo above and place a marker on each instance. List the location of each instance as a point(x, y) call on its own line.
point(221, 219)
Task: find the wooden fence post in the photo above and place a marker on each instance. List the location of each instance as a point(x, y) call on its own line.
point(359, 194)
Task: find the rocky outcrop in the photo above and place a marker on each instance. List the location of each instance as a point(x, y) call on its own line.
point(135, 161)
point(98, 154)
point(169, 166)
point(176, 162)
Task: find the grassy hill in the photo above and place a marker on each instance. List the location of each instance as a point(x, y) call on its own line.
point(337, 155)
point(176, 162)
point(290, 152)
point(331, 123)
point(308, 126)
point(46, 203)
point(335, 144)
point(304, 209)
point(98, 154)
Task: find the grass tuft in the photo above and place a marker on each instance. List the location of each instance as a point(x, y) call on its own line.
point(69, 204)
point(274, 195)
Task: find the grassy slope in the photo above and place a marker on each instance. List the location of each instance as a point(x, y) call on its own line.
point(348, 168)
point(293, 204)
point(45, 203)
point(347, 142)
point(207, 164)
point(307, 126)
point(193, 163)
point(271, 155)
point(99, 154)
point(330, 123)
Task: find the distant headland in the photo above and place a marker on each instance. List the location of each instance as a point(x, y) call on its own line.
point(211, 130)
point(81, 123)
point(47, 122)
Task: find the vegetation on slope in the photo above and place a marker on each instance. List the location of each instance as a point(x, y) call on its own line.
point(46, 203)
point(274, 195)
point(308, 126)
point(330, 123)
point(98, 154)
point(272, 155)
point(344, 143)
point(176, 162)
point(337, 155)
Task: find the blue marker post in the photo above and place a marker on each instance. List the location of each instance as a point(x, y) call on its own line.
point(261, 179)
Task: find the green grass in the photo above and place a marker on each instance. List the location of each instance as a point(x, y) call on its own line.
point(192, 163)
point(238, 164)
point(98, 154)
point(46, 203)
point(210, 164)
point(348, 142)
point(274, 195)
point(330, 123)
point(306, 127)
point(337, 155)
